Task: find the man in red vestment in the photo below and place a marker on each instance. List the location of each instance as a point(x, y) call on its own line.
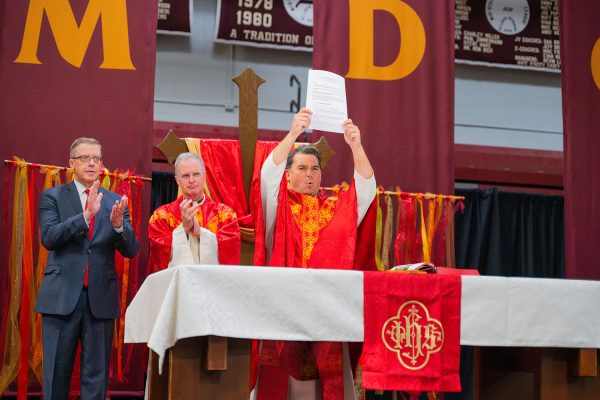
point(306, 229)
point(193, 229)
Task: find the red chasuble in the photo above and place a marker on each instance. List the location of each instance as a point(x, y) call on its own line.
point(310, 232)
point(216, 217)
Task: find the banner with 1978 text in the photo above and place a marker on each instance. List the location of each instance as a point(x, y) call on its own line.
point(278, 24)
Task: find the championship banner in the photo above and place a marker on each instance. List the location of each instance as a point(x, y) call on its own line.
point(175, 16)
point(71, 69)
point(412, 332)
point(278, 24)
point(580, 44)
point(508, 33)
point(400, 93)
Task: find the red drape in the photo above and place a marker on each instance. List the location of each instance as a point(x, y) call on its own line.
point(224, 177)
point(223, 159)
point(436, 215)
point(580, 59)
point(398, 60)
point(5, 246)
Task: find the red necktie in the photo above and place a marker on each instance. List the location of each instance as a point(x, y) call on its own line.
point(90, 233)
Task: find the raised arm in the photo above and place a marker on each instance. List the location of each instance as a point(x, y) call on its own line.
point(361, 162)
point(299, 124)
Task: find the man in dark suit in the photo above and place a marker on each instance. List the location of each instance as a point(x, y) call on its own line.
point(81, 226)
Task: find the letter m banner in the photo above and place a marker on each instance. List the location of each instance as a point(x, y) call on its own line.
point(71, 68)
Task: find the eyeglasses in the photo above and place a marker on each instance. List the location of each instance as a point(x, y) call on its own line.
point(194, 175)
point(86, 158)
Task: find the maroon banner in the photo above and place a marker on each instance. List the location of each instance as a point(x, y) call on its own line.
point(174, 16)
point(580, 52)
point(79, 68)
point(412, 332)
point(508, 33)
point(279, 24)
point(400, 92)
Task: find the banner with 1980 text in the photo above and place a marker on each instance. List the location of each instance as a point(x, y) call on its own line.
point(279, 24)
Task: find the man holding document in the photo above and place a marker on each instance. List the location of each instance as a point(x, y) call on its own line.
point(303, 212)
point(306, 229)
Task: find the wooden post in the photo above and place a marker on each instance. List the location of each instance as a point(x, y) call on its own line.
point(248, 83)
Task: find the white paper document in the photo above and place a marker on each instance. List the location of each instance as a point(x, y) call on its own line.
point(326, 98)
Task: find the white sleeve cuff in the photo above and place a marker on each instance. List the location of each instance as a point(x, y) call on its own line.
point(270, 181)
point(366, 189)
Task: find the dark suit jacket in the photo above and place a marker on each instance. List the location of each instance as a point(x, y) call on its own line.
point(64, 234)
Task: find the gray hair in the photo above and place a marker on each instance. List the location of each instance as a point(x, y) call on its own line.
point(82, 140)
point(304, 149)
point(190, 156)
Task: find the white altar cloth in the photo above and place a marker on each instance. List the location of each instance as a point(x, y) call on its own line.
point(327, 305)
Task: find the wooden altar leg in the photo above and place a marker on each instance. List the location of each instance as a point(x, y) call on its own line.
point(537, 374)
point(476, 373)
point(215, 358)
point(157, 385)
point(558, 384)
point(185, 377)
point(583, 362)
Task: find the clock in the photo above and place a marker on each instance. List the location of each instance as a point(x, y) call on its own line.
point(508, 17)
point(301, 11)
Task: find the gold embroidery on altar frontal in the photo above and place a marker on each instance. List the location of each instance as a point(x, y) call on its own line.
point(311, 218)
point(413, 335)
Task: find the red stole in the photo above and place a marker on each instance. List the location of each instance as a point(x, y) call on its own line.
point(335, 243)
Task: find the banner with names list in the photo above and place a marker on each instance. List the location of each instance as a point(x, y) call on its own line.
point(508, 33)
point(175, 17)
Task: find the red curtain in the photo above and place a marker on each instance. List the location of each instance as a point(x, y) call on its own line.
point(398, 60)
point(580, 59)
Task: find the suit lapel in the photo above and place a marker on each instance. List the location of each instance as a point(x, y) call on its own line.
point(72, 197)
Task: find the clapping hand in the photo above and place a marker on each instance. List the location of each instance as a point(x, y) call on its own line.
point(118, 210)
point(188, 210)
point(93, 201)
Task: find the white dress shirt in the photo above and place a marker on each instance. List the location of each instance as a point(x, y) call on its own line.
point(83, 198)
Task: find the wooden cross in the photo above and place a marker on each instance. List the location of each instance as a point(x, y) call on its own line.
point(248, 83)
